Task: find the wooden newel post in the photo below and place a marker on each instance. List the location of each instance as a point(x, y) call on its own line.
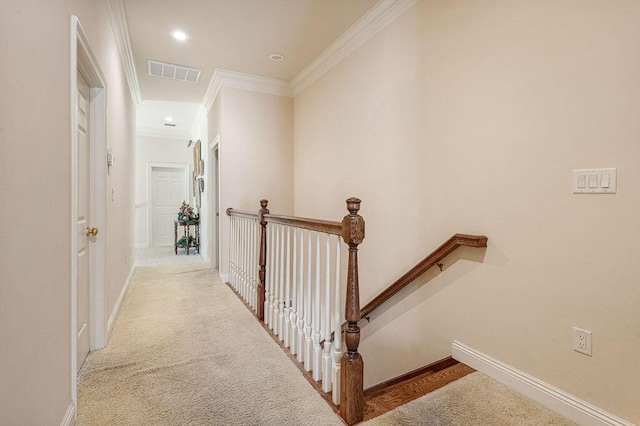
point(263, 259)
point(351, 365)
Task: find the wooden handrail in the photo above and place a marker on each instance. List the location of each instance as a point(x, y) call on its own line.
point(243, 213)
point(434, 258)
point(326, 226)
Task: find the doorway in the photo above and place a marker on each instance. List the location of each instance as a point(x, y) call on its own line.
point(88, 108)
point(168, 187)
point(214, 203)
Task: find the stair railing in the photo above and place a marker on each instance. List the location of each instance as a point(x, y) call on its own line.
point(277, 266)
point(433, 259)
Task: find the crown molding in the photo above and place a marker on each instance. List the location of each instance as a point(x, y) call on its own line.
point(163, 133)
point(239, 80)
point(376, 19)
point(121, 33)
point(212, 91)
point(197, 121)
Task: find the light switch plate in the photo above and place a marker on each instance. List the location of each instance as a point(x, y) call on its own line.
point(595, 181)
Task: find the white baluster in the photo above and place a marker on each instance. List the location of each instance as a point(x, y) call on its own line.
point(326, 321)
point(254, 268)
point(240, 256)
point(249, 262)
point(337, 332)
point(300, 339)
point(235, 252)
point(293, 332)
point(245, 258)
point(287, 293)
point(267, 277)
point(308, 350)
point(317, 354)
point(276, 290)
point(230, 250)
point(272, 272)
point(282, 282)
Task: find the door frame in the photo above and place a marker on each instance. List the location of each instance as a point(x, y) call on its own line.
point(82, 58)
point(150, 167)
point(214, 201)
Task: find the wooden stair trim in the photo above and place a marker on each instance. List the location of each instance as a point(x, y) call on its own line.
point(434, 367)
point(412, 389)
point(457, 240)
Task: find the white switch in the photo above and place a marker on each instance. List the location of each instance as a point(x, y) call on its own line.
point(595, 181)
point(113, 193)
point(582, 181)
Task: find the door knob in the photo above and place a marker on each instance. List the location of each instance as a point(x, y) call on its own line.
point(92, 231)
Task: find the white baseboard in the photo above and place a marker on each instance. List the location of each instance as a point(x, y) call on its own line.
point(70, 416)
point(142, 245)
point(557, 400)
point(116, 308)
point(224, 278)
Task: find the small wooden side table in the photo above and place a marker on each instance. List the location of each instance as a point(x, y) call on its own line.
point(186, 233)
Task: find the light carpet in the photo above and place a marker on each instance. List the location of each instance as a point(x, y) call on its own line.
point(185, 351)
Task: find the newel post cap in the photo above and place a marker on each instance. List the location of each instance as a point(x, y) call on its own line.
point(353, 224)
point(263, 210)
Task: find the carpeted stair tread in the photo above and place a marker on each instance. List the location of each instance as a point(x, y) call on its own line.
point(387, 399)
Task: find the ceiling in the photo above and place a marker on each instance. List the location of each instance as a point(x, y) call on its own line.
point(235, 35)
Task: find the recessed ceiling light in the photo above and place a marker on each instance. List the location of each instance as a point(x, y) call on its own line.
point(276, 57)
point(169, 119)
point(179, 35)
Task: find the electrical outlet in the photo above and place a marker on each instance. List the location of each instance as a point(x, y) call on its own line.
point(582, 341)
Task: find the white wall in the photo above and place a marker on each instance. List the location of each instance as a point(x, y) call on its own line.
point(469, 117)
point(255, 154)
point(35, 171)
point(154, 150)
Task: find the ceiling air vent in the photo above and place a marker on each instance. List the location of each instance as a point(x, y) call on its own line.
point(174, 72)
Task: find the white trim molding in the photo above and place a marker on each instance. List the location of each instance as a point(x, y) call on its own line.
point(200, 117)
point(69, 416)
point(239, 80)
point(123, 41)
point(576, 409)
point(371, 23)
point(224, 278)
point(116, 308)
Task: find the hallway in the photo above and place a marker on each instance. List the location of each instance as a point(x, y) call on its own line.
point(183, 351)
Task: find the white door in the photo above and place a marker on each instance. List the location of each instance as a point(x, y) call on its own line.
point(168, 190)
point(83, 221)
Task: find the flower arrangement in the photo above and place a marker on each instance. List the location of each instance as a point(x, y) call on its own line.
point(187, 214)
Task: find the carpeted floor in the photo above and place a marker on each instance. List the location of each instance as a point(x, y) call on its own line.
point(185, 351)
